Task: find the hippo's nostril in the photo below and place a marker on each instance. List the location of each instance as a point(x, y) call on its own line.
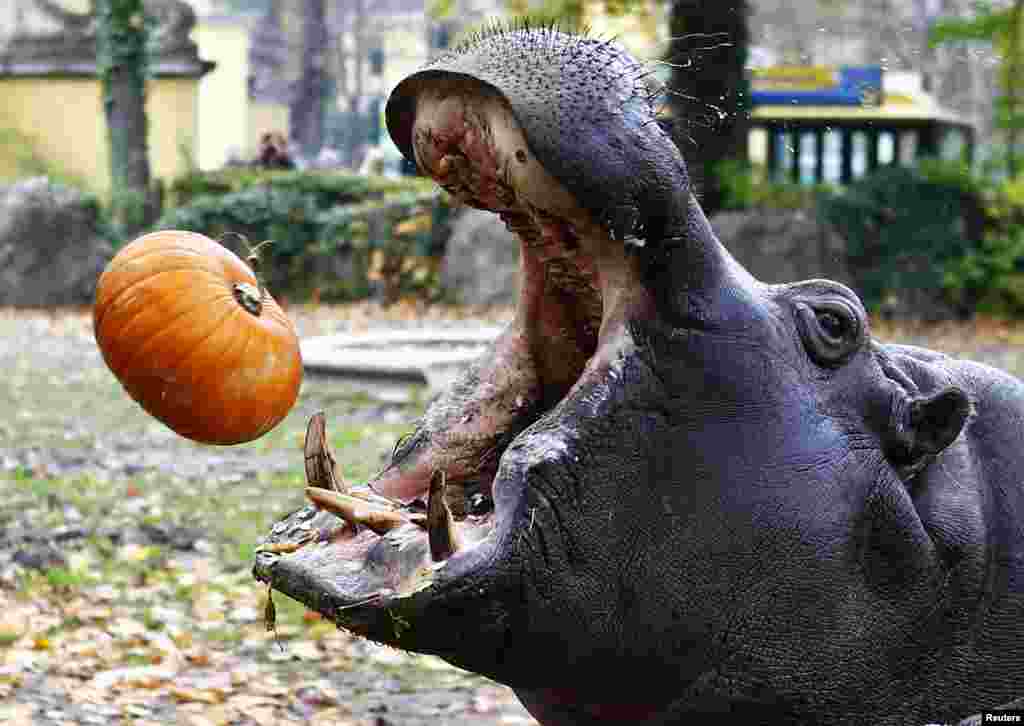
point(480, 504)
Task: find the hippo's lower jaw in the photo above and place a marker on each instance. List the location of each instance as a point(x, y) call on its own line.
point(577, 292)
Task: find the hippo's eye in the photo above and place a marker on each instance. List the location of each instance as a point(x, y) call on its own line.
point(831, 324)
point(830, 328)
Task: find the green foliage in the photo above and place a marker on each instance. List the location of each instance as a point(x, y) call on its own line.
point(329, 188)
point(1000, 24)
point(330, 232)
point(440, 9)
point(987, 23)
point(953, 173)
point(123, 31)
point(940, 230)
point(568, 13)
point(744, 188)
point(901, 231)
point(61, 577)
point(989, 278)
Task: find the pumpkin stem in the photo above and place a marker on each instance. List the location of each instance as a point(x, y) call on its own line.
point(253, 259)
point(249, 296)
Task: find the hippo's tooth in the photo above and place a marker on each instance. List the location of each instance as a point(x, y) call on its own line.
point(356, 511)
point(321, 466)
point(374, 498)
point(440, 527)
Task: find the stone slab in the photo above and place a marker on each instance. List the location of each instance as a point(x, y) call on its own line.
point(433, 357)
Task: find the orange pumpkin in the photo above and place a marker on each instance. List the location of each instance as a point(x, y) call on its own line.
point(193, 337)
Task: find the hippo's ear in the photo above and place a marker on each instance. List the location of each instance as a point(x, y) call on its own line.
point(922, 426)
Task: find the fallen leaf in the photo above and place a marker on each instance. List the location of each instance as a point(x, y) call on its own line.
point(331, 717)
point(304, 650)
point(319, 693)
point(197, 695)
point(265, 716)
point(135, 677)
point(18, 714)
point(198, 656)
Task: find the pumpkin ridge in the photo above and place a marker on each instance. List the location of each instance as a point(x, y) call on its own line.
point(218, 371)
point(143, 346)
point(109, 304)
point(198, 343)
point(161, 250)
point(277, 314)
point(194, 383)
point(271, 419)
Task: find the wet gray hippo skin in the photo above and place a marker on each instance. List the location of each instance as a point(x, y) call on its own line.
point(677, 490)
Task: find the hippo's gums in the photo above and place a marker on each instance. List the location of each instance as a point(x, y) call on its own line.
point(669, 489)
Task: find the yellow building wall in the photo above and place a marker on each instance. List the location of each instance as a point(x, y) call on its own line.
point(57, 125)
point(172, 109)
point(230, 123)
point(223, 93)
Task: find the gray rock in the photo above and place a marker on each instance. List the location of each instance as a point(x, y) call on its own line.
point(779, 245)
point(51, 247)
point(482, 257)
point(481, 262)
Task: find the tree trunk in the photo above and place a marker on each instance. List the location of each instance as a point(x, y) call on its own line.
point(1013, 87)
point(307, 110)
point(710, 98)
point(121, 55)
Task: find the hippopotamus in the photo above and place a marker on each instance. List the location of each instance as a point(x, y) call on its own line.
point(669, 489)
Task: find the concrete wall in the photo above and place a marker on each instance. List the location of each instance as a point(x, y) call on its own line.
point(60, 121)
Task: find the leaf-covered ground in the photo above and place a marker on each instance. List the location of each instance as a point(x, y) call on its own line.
point(125, 554)
point(125, 551)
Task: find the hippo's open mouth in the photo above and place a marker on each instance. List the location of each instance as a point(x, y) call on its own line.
point(442, 508)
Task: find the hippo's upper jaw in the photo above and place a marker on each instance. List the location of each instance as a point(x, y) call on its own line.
point(670, 488)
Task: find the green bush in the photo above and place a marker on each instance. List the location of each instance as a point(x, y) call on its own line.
point(940, 230)
point(330, 232)
point(903, 231)
point(990, 277)
point(328, 188)
point(744, 187)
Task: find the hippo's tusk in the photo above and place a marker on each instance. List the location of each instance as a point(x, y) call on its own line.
point(440, 527)
point(356, 510)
